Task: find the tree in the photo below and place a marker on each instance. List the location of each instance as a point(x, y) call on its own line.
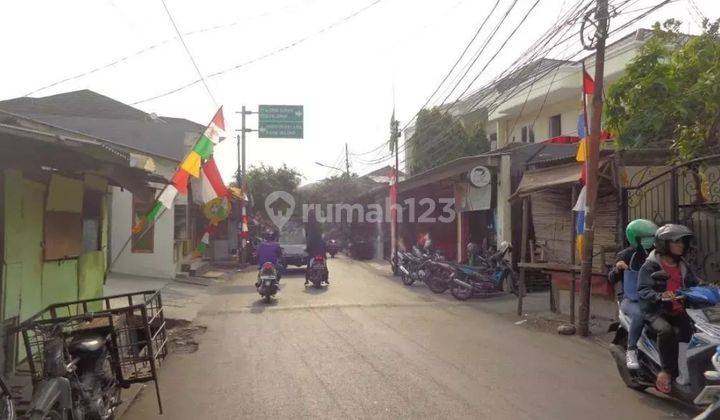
point(262, 180)
point(440, 137)
point(670, 93)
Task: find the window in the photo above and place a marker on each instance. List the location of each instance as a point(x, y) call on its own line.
point(92, 203)
point(493, 141)
point(555, 128)
point(527, 134)
point(141, 205)
point(181, 222)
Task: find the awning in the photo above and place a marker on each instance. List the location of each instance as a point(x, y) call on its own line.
point(554, 176)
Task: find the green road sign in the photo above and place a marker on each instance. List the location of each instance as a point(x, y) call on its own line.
point(280, 122)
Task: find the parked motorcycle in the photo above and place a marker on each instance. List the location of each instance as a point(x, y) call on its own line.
point(268, 281)
point(78, 370)
point(7, 406)
point(699, 383)
point(468, 281)
point(418, 266)
point(317, 273)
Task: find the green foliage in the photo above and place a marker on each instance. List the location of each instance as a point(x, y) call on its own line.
point(669, 93)
point(440, 137)
point(262, 180)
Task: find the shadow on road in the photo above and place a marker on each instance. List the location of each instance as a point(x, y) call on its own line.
point(260, 305)
point(311, 290)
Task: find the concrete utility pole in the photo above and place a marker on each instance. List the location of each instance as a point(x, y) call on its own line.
point(347, 161)
point(240, 178)
point(592, 161)
point(395, 139)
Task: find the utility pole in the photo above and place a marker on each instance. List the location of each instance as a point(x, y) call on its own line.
point(240, 178)
point(347, 161)
point(395, 139)
point(592, 161)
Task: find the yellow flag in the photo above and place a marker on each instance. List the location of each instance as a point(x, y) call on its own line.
point(579, 240)
point(582, 150)
point(191, 164)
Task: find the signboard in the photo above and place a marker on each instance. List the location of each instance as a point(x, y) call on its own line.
point(280, 121)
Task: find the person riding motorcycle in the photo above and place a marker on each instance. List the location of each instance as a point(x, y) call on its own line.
point(664, 314)
point(640, 234)
point(315, 244)
point(269, 250)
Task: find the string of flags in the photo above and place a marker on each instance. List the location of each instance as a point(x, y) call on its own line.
point(199, 164)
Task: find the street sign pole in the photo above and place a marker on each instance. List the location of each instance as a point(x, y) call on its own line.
point(240, 178)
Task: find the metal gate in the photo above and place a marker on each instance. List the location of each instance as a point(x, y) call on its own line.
point(688, 194)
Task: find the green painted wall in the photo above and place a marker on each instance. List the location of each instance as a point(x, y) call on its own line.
point(32, 252)
point(12, 272)
point(59, 282)
point(29, 283)
point(91, 271)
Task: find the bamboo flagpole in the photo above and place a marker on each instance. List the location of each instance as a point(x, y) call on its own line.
point(200, 154)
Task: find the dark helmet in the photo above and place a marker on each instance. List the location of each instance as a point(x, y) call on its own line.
point(269, 235)
point(671, 233)
point(641, 232)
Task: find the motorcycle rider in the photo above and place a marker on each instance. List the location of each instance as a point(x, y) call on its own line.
point(640, 234)
point(665, 315)
point(315, 244)
point(269, 250)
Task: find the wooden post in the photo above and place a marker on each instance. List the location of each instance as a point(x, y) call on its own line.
point(523, 252)
point(573, 245)
point(592, 161)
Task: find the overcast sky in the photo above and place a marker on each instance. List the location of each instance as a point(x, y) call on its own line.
point(345, 76)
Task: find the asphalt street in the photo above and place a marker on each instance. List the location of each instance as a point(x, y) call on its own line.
point(370, 347)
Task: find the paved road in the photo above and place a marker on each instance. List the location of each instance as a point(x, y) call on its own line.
point(369, 347)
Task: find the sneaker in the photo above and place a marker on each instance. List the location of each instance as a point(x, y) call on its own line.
point(631, 359)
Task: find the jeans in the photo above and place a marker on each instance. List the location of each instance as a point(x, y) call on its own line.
point(632, 310)
point(671, 329)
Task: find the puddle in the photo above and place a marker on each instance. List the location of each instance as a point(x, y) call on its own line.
point(181, 335)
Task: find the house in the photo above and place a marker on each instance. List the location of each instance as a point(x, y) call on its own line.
point(153, 143)
point(54, 216)
point(543, 99)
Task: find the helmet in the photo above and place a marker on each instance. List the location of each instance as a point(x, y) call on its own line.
point(269, 235)
point(670, 233)
point(641, 231)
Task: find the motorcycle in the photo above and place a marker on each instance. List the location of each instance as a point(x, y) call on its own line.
point(317, 272)
point(467, 281)
point(699, 382)
point(333, 247)
point(418, 266)
point(268, 281)
point(7, 406)
point(79, 379)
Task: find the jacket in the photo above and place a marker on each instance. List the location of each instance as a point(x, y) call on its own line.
point(650, 290)
point(268, 252)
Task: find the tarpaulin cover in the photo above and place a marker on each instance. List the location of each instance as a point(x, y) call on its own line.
point(544, 178)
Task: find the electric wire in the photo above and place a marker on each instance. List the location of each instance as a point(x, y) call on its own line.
point(187, 50)
point(274, 52)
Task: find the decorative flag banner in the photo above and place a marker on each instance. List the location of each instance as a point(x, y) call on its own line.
point(582, 150)
point(580, 208)
point(588, 83)
point(581, 128)
point(204, 242)
point(191, 165)
point(211, 183)
point(180, 181)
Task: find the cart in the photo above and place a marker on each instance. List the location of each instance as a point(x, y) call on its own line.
point(135, 323)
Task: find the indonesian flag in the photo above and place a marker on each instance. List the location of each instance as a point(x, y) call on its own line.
point(588, 83)
point(210, 184)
